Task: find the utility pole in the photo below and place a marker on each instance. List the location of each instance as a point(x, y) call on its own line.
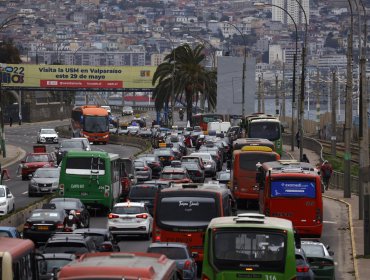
point(263, 95)
point(2, 135)
point(259, 94)
point(277, 95)
point(318, 106)
point(333, 117)
point(283, 94)
point(293, 102)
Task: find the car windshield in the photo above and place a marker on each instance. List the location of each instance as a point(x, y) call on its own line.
point(45, 215)
point(313, 250)
point(143, 191)
point(69, 247)
point(162, 152)
point(173, 253)
point(65, 204)
point(127, 108)
point(71, 144)
point(173, 175)
point(51, 264)
point(205, 157)
point(48, 131)
point(50, 173)
point(128, 210)
point(2, 192)
point(224, 176)
point(190, 165)
point(139, 163)
point(37, 158)
point(150, 159)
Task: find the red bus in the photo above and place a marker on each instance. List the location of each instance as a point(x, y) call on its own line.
point(18, 259)
point(202, 120)
point(292, 190)
point(243, 172)
point(92, 122)
point(183, 212)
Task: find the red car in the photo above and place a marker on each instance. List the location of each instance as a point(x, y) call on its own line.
point(34, 161)
point(175, 175)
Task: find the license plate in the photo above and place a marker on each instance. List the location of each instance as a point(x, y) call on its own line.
point(43, 228)
point(84, 194)
point(162, 158)
point(44, 189)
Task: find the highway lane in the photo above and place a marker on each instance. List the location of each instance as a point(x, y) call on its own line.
point(24, 136)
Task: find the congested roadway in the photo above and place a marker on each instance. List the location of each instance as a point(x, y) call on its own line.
point(335, 233)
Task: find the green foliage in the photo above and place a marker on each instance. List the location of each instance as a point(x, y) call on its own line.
point(338, 163)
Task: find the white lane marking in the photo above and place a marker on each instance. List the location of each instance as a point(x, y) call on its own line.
point(24, 192)
point(329, 222)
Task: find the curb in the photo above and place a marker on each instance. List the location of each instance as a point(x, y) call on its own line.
point(354, 254)
point(20, 154)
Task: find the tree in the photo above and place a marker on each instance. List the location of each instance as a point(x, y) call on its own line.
point(9, 53)
point(183, 66)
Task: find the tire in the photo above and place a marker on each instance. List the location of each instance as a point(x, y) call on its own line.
point(30, 194)
point(13, 210)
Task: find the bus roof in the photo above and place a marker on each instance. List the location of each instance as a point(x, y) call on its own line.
point(198, 187)
point(267, 119)
point(15, 247)
point(251, 220)
point(92, 110)
point(111, 265)
point(289, 166)
point(90, 154)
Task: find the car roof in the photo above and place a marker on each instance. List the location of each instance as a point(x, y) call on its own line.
point(91, 230)
point(67, 237)
point(129, 204)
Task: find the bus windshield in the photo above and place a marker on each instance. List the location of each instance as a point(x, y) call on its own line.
point(96, 124)
point(293, 188)
point(85, 166)
point(261, 250)
point(267, 130)
point(212, 118)
point(249, 160)
point(186, 212)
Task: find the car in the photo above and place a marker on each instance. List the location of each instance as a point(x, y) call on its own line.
point(196, 159)
point(10, 232)
point(47, 135)
point(130, 218)
point(195, 171)
point(145, 133)
point(127, 111)
point(34, 161)
point(44, 180)
point(215, 153)
point(210, 167)
point(108, 108)
point(175, 175)
point(75, 144)
point(102, 237)
point(159, 184)
point(69, 243)
point(179, 252)
point(165, 155)
point(154, 163)
point(320, 259)
point(7, 203)
point(142, 169)
point(176, 163)
point(112, 129)
point(144, 193)
point(304, 271)
point(223, 177)
point(43, 223)
point(49, 264)
point(133, 129)
point(68, 204)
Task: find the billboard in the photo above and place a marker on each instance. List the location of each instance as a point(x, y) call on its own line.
point(76, 76)
point(229, 85)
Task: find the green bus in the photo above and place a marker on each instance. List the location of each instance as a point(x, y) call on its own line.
point(267, 127)
point(91, 176)
point(250, 245)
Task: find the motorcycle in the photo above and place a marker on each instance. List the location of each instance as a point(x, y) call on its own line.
point(71, 224)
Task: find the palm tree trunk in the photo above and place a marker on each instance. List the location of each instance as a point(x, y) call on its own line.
point(189, 106)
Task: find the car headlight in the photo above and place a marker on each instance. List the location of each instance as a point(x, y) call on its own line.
point(105, 136)
point(33, 183)
point(55, 185)
point(3, 203)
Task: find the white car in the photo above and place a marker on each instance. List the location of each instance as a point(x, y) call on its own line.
point(47, 135)
point(130, 218)
point(7, 204)
point(127, 111)
point(133, 129)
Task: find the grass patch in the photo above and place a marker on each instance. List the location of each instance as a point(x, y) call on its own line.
point(338, 163)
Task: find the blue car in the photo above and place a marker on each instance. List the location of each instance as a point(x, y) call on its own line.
point(179, 252)
point(11, 232)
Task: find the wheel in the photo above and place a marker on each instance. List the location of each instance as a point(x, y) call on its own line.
point(30, 194)
point(13, 210)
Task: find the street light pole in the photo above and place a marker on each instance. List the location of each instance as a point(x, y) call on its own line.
point(244, 66)
point(294, 64)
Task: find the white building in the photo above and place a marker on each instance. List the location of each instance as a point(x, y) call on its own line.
point(293, 8)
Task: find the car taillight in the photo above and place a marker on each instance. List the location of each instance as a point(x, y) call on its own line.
point(112, 216)
point(303, 268)
point(318, 216)
point(60, 226)
point(146, 168)
point(142, 216)
point(78, 212)
point(205, 277)
point(157, 236)
point(27, 226)
point(172, 158)
point(187, 264)
point(107, 247)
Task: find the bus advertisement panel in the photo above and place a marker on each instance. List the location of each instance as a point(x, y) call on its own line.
point(182, 213)
point(91, 176)
point(294, 193)
point(202, 120)
point(243, 173)
point(249, 246)
point(91, 122)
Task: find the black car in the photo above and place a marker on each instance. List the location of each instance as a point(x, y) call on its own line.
point(49, 264)
point(69, 243)
point(154, 163)
point(144, 193)
point(195, 172)
point(43, 223)
point(102, 237)
point(75, 144)
point(165, 155)
point(68, 204)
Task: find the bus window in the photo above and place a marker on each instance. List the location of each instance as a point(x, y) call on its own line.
point(248, 161)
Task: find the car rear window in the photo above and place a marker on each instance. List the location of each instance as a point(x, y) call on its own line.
point(173, 176)
point(173, 253)
point(69, 247)
point(66, 204)
point(313, 250)
point(128, 210)
point(143, 191)
point(37, 158)
point(45, 215)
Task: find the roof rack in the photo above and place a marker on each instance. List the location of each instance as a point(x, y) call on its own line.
point(253, 218)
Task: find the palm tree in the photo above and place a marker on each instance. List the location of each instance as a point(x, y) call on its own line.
point(183, 66)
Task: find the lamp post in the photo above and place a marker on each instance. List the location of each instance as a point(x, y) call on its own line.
point(244, 65)
point(262, 5)
point(74, 54)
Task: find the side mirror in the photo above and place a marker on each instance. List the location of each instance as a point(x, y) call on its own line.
point(331, 253)
point(9, 195)
point(131, 176)
point(194, 254)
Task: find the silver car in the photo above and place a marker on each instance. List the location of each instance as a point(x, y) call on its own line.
point(45, 180)
point(127, 111)
point(47, 135)
point(210, 167)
